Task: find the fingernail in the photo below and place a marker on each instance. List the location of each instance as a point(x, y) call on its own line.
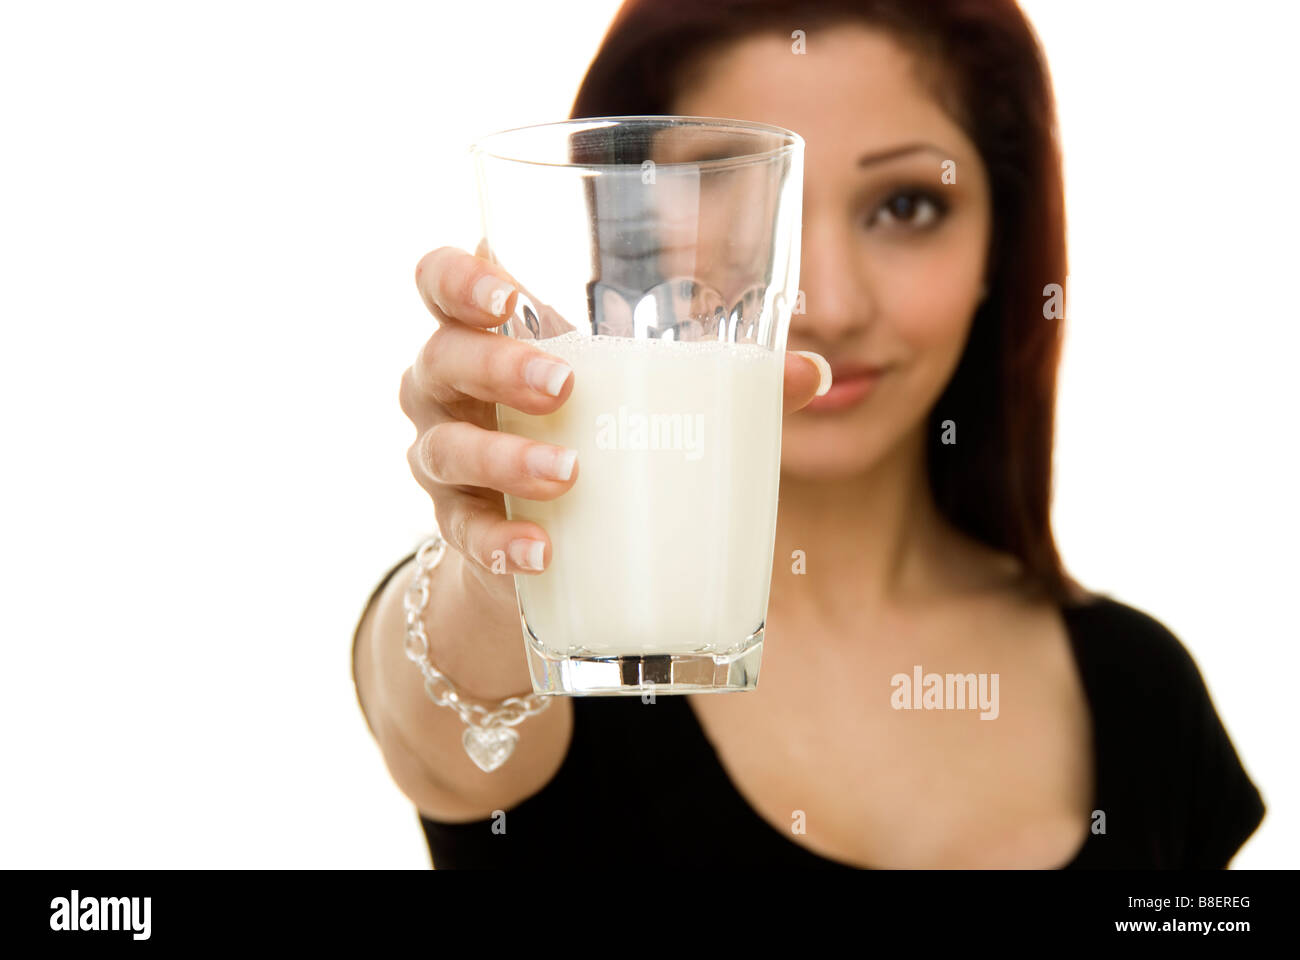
point(491, 295)
point(550, 463)
point(823, 368)
point(527, 553)
point(547, 376)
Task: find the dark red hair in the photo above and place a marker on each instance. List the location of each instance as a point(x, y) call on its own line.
point(995, 483)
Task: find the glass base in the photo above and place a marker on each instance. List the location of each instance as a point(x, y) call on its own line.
point(639, 674)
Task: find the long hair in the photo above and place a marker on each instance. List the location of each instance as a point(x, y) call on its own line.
point(995, 484)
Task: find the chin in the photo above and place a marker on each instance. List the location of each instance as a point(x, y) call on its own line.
point(830, 450)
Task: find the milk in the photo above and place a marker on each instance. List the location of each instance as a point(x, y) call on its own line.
point(664, 542)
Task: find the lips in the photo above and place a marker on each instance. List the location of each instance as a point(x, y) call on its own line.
point(851, 383)
point(848, 371)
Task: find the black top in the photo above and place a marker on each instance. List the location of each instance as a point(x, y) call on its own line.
point(1168, 779)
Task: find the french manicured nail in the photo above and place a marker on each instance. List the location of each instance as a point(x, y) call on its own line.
point(547, 376)
point(550, 463)
point(491, 294)
point(527, 553)
point(823, 368)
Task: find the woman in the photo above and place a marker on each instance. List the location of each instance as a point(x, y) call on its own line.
point(917, 487)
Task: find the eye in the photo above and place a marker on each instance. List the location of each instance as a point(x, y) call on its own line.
point(911, 209)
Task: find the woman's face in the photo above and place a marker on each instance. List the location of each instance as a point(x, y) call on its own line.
point(893, 256)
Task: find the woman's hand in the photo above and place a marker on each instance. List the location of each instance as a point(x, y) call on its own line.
point(449, 393)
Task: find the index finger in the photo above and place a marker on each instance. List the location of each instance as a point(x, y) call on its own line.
point(459, 286)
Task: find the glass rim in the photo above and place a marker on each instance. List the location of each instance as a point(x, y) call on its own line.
point(481, 146)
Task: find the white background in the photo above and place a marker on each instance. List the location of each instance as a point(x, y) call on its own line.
point(210, 215)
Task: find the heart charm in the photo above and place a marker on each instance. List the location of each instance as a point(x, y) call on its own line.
point(489, 747)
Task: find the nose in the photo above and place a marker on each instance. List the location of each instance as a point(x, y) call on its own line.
point(837, 292)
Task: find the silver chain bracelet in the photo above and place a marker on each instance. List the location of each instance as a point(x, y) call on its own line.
point(489, 736)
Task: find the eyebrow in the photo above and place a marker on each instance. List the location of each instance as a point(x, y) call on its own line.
point(869, 158)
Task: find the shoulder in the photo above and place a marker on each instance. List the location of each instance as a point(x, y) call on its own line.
point(1120, 644)
point(1160, 735)
point(1142, 681)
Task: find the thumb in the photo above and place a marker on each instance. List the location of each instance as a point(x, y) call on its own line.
point(807, 375)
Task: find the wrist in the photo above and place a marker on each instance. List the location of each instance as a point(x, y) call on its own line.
point(473, 629)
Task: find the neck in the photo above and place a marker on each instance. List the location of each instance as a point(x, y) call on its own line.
point(865, 539)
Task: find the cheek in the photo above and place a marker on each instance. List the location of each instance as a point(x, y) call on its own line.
point(933, 322)
point(929, 295)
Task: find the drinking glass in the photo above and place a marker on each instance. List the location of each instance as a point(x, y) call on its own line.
point(659, 257)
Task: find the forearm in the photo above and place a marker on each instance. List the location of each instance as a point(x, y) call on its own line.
point(360, 638)
point(481, 650)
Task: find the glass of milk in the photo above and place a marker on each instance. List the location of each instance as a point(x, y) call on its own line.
point(658, 256)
